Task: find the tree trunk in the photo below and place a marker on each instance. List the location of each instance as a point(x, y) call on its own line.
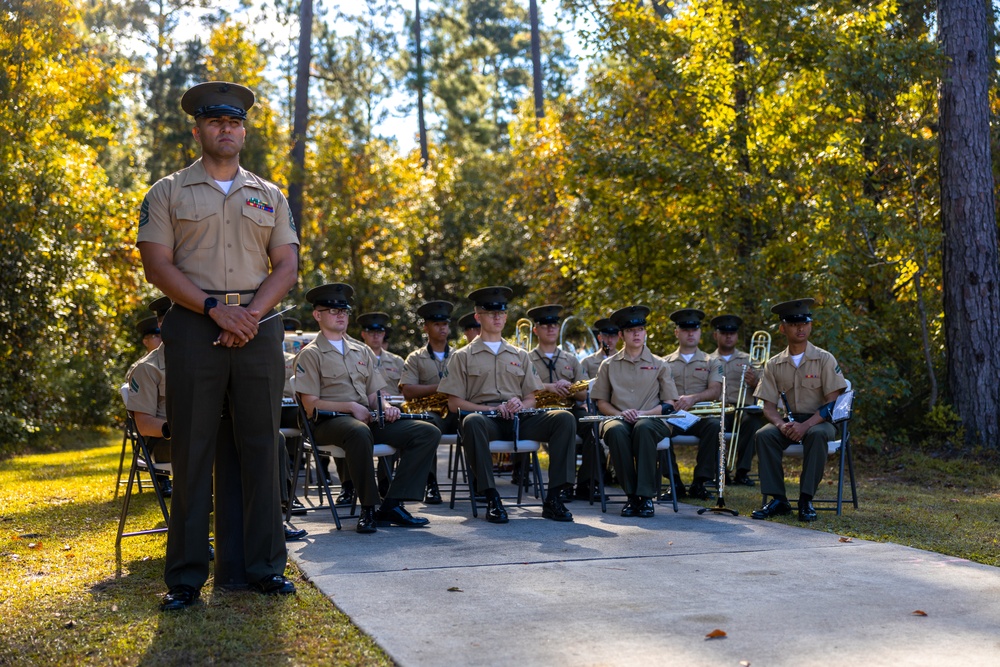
point(536, 59)
point(422, 126)
point(300, 121)
point(971, 266)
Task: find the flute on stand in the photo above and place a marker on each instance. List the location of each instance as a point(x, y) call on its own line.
point(720, 505)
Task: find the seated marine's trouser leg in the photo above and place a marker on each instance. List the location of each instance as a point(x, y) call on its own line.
point(646, 434)
point(618, 437)
point(707, 465)
point(416, 443)
point(447, 425)
point(745, 445)
point(355, 438)
point(558, 429)
point(477, 431)
point(592, 464)
point(814, 453)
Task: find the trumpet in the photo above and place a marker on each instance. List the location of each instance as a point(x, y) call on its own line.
point(760, 352)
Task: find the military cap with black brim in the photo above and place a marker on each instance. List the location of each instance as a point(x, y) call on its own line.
point(727, 323)
point(160, 306)
point(374, 321)
point(331, 295)
point(147, 326)
point(630, 317)
point(469, 321)
point(213, 99)
point(436, 311)
point(291, 323)
point(794, 312)
point(687, 318)
point(606, 326)
point(491, 298)
point(547, 314)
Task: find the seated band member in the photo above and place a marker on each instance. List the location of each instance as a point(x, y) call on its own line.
point(808, 377)
point(469, 326)
point(424, 369)
point(736, 366)
point(490, 374)
point(698, 379)
point(375, 329)
point(147, 396)
point(337, 374)
point(608, 334)
point(630, 383)
point(558, 371)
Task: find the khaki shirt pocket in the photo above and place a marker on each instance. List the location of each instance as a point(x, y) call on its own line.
point(699, 377)
point(195, 227)
point(814, 383)
point(257, 227)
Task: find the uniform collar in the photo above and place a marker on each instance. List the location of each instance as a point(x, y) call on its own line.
point(812, 352)
point(196, 174)
point(324, 344)
point(645, 355)
point(479, 345)
point(699, 355)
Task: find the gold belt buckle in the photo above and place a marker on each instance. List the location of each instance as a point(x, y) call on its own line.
point(233, 299)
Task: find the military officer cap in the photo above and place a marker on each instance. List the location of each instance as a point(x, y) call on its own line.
point(160, 306)
point(606, 326)
point(374, 321)
point(436, 311)
point(148, 326)
point(796, 311)
point(548, 314)
point(468, 321)
point(331, 295)
point(218, 98)
point(291, 324)
point(727, 323)
point(630, 317)
point(491, 298)
point(687, 318)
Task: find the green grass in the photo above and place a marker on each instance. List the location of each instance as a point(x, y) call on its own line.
point(61, 602)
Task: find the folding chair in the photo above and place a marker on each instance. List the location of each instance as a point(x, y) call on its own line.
point(842, 447)
point(142, 461)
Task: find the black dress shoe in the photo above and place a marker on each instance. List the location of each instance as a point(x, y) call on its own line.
point(366, 520)
point(776, 507)
point(555, 510)
point(398, 516)
point(179, 597)
point(292, 534)
point(628, 510)
point(806, 511)
point(698, 490)
point(346, 496)
point(743, 479)
point(274, 584)
point(645, 509)
point(495, 512)
point(432, 496)
point(667, 496)
point(298, 509)
point(211, 552)
point(166, 487)
point(566, 494)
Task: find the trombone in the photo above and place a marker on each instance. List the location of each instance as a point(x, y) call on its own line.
point(760, 352)
point(523, 335)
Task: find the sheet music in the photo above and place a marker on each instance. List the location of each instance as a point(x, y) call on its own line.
point(683, 419)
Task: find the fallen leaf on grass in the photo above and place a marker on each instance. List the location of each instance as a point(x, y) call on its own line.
point(66, 547)
point(34, 545)
point(145, 558)
point(715, 634)
point(114, 607)
point(455, 589)
point(669, 543)
point(847, 539)
point(919, 613)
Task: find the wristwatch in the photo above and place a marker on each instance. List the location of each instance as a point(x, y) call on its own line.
point(210, 303)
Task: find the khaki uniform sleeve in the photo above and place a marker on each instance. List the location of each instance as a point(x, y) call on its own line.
point(284, 227)
point(833, 379)
point(601, 389)
point(531, 382)
point(668, 390)
point(767, 389)
point(154, 216)
point(143, 390)
point(308, 371)
point(410, 374)
point(375, 380)
point(453, 382)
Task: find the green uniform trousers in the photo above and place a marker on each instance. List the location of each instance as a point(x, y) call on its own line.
point(745, 449)
point(771, 444)
point(633, 452)
point(706, 465)
point(199, 379)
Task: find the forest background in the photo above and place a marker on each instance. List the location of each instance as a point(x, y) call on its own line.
point(721, 154)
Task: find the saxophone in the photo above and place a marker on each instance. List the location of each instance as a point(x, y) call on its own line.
point(550, 399)
point(436, 402)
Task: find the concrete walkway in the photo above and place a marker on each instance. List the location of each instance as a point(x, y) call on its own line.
point(604, 590)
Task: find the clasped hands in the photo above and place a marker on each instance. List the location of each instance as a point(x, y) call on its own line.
point(239, 325)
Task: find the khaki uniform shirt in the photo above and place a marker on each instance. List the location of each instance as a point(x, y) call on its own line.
point(322, 371)
point(634, 385)
point(567, 367)
point(289, 372)
point(220, 242)
point(733, 370)
point(818, 374)
point(391, 367)
point(147, 385)
point(476, 374)
point(591, 363)
point(693, 377)
point(422, 367)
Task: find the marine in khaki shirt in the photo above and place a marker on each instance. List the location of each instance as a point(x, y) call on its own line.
point(608, 336)
point(698, 379)
point(374, 329)
point(631, 383)
point(808, 377)
point(146, 398)
point(335, 374)
point(491, 375)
